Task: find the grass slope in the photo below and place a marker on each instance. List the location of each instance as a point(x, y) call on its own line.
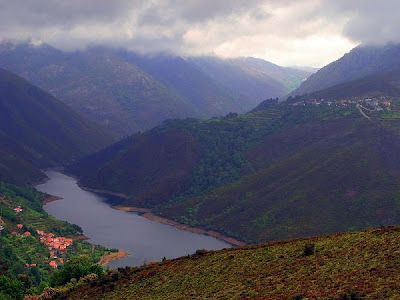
point(356, 265)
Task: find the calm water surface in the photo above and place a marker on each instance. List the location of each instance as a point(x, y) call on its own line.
point(145, 240)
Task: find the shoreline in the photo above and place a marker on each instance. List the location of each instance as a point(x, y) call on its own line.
point(106, 259)
point(81, 237)
point(105, 192)
point(146, 213)
point(51, 198)
point(39, 182)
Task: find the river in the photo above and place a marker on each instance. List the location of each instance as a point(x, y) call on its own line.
point(144, 239)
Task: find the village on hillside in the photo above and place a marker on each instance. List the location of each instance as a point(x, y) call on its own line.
point(372, 104)
point(57, 245)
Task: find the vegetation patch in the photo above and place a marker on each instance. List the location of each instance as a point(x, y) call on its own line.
point(37, 250)
point(357, 265)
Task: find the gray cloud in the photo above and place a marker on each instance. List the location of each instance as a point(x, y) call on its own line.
point(372, 22)
point(312, 32)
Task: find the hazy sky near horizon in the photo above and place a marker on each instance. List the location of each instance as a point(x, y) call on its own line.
point(302, 32)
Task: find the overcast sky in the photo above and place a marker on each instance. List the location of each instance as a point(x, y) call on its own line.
point(302, 32)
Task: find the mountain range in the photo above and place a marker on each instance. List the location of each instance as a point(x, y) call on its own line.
point(126, 92)
point(283, 170)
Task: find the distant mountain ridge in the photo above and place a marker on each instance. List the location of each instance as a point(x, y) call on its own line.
point(360, 62)
point(250, 79)
point(39, 131)
point(126, 92)
point(378, 84)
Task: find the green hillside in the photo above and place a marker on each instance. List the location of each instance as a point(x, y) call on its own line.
point(39, 131)
point(357, 265)
point(281, 171)
point(24, 259)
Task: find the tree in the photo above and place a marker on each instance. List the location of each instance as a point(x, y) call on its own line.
point(77, 267)
point(12, 288)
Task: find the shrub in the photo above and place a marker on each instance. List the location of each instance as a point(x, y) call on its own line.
point(77, 268)
point(351, 295)
point(309, 249)
point(200, 252)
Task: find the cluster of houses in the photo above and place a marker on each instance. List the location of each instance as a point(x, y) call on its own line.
point(57, 246)
point(21, 226)
point(376, 104)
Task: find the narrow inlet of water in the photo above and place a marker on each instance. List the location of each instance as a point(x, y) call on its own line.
point(144, 239)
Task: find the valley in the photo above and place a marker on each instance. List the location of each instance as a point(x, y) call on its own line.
point(148, 150)
point(265, 167)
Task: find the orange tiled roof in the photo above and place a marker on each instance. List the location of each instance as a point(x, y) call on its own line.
point(53, 264)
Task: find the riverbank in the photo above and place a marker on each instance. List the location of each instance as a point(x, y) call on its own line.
point(106, 259)
point(146, 213)
point(51, 198)
point(80, 237)
point(105, 192)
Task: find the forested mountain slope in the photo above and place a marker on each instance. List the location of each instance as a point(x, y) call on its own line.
point(39, 131)
point(280, 171)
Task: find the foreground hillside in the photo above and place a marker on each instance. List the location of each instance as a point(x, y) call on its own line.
point(39, 131)
point(280, 171)
point(357, 265)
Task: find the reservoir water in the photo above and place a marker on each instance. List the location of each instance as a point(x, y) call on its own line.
point(144, 239)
